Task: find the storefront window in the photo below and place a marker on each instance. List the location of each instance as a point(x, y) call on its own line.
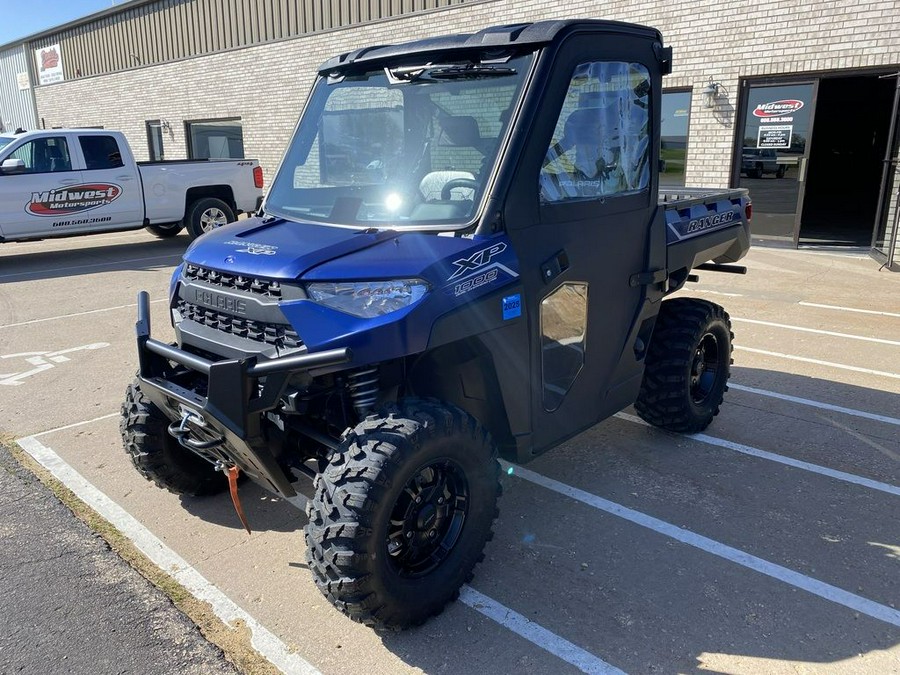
point(676, 108)
point(155, 141)
point(215, 139)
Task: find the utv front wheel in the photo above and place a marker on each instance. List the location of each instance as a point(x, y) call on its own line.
point(688, 366)
point(402, 513)
point(157, 455)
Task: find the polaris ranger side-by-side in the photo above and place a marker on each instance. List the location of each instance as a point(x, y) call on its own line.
point(463, 254)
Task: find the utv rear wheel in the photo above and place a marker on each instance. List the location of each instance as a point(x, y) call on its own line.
point(688, 366)
point(402, 513)
point(157, 455)
point(206, 215)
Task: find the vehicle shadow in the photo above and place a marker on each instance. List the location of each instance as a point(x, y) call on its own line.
point(643, 604)
point(54, 262)
point(265, 511)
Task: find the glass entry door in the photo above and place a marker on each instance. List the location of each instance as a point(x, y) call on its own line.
point(777, 125)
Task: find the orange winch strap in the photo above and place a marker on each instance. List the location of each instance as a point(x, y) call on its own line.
point(232, 474)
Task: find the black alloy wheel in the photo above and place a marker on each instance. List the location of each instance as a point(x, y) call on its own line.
point(427, 518)
point(687, 366)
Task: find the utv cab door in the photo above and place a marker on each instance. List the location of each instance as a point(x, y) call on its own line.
point(582, 217)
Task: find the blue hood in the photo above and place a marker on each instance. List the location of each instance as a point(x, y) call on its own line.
point(276, 248)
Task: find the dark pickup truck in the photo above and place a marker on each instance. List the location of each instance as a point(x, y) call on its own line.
point(464, 254)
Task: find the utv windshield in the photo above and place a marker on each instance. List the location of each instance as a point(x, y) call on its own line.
point(411, 146)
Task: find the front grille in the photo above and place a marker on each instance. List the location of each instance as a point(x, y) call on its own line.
point(279, 335)
point(261, 287)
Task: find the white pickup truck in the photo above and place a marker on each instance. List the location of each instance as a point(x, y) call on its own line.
point(66, 182)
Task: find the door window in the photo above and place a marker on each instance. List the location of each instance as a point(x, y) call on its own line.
point(44, 155)
point(100, 152)
point(563, 328)
point(773, 153)
point(601, 144)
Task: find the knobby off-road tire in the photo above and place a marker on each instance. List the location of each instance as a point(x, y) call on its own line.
point(688, 366)
point(165, 231)
point(379, 555)
point(206, 215)
point(157, 455)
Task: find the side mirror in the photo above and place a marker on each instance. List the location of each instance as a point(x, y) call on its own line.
point(12, 166)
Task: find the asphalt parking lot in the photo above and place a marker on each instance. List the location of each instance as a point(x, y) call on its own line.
point(770, 543)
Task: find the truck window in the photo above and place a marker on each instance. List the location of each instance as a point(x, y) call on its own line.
point(100, 152)
point(44, 155)
point(601, 144)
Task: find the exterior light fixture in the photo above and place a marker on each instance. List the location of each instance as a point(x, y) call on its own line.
point(710, 93)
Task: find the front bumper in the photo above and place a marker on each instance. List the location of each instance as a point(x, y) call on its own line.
point(227, 421)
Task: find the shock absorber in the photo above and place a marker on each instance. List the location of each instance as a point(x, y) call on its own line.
point(363, 387)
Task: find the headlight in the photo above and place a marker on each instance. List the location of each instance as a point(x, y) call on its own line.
point(369, 299)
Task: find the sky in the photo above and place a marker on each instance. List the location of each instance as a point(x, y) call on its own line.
point(20, 18)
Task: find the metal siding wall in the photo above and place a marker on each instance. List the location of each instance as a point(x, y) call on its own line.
point(16, 106)
point(167, 30)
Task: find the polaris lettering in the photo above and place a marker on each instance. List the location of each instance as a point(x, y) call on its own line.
point(222, 302)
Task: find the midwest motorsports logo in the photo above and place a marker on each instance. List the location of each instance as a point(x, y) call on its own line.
point(785, 106)
point(72, 199)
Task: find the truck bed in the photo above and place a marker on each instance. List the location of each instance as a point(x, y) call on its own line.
point(705, 224)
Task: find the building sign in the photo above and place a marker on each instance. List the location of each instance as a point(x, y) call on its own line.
point(775, 136)
point(49, 64)
point(22, 81)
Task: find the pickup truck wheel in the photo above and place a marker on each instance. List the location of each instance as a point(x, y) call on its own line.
point(157, 456)
point(402, 513)
point(205, 215)
point(165, 231)
point(688, 366)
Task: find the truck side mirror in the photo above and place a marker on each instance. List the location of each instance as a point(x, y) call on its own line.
point(12, 166)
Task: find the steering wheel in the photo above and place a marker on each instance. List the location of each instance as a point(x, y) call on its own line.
point(470, 183)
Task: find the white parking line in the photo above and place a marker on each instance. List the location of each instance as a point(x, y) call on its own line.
point(802, 329)
point(706, 290)
point(67, 316)
point(783, 574)
point(780, 459)
point(830, 364)
point(848, 309)
point(72, 426)
point(536, 634)
point(40, 273)
point(265, 642)
point(815, 404)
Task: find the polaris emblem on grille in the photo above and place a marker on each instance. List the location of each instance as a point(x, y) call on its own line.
point(218, 301)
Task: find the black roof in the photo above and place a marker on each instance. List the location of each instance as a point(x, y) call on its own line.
point(495, 37)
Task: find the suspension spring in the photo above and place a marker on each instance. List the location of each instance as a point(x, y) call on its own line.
point(363, 387)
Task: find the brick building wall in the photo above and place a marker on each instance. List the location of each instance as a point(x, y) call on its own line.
point(266, 85)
